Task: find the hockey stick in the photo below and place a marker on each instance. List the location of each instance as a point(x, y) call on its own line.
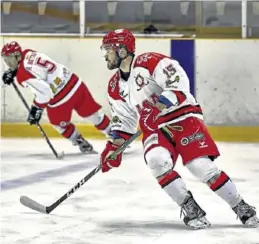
point(28, 202)
point(38, 125)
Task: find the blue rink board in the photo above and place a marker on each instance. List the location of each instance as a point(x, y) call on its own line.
point(184, 52)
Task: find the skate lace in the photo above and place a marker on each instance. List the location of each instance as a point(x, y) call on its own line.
point(243, 210)
point(189, 208)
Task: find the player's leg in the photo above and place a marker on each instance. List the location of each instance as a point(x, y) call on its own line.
point(60, 118)
point(198, 151)
point(219, 182)
point(89, 109)
point(160, 156)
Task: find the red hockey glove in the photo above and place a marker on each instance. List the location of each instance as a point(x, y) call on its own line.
point(148, 118)
point(107, 163)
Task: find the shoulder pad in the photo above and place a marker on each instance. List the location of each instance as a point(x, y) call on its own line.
point(149, 61)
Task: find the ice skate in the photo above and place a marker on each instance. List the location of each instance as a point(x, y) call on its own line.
point(84, 145)
point(194, 215)
point(246, 214)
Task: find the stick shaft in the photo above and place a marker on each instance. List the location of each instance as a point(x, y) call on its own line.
point(91, 174)
point(38, 125)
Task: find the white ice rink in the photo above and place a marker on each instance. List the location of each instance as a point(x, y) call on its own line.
point(124, 206)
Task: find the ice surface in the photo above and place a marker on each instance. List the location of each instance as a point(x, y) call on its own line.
point(124, 206)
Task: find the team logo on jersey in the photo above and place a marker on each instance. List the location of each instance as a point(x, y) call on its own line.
point(140, 81)
point(63, 124)
point(169, 83)
point(192, 138)
point(116, 120)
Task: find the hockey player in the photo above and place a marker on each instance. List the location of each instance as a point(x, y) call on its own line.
point(57, 89)
point(153, 89)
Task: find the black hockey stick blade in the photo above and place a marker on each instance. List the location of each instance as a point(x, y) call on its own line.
point(26, 201)
point(60, 155)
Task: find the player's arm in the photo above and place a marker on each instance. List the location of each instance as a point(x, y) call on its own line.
point(168, 74)
point(31, 76)
point(124, 125)
point(41, 90)
point(42, 95)
point(124, 121)
point(168, 78)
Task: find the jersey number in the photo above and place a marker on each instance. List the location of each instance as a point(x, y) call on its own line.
point(51, 68)
point(46, 64)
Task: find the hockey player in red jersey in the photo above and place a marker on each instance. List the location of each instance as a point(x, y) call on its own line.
point(153, 90)
point(57, 89)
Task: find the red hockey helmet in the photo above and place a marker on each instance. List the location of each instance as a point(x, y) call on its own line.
point(118, 38)
point(11, 48)
point(12, 54)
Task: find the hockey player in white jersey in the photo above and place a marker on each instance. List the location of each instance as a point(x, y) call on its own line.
point(153, 90)
point(57, 89)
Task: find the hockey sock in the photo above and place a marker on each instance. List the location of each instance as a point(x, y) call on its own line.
point(174, 186)
point(226, 189)
point(70, 132)
point(104, 126)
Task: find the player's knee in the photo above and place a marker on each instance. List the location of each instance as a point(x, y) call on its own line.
point(159, 160)
point(204, 169)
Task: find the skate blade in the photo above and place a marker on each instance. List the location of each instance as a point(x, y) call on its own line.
point(90, 152)
point(198, 224)
point(253, 222)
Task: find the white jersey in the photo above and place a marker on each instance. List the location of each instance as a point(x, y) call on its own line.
point(51, 82)
point(152, 76)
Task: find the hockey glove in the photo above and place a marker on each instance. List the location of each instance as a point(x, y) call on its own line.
point(8, 76)
point(34, 115)
point(148, 118)
point(107, 163)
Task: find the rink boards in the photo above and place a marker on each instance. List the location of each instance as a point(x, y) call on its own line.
point(219, 133)
point(223, 75)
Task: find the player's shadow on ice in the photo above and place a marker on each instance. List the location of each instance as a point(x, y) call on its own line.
point(42, 176)
point(70, 156)
point(50, 156)
point(142, 226)
point(44, 156)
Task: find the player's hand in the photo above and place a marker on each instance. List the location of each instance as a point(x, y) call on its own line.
point(34, 115)
point(8, 76)
point(148, 118)
point(108, 163)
